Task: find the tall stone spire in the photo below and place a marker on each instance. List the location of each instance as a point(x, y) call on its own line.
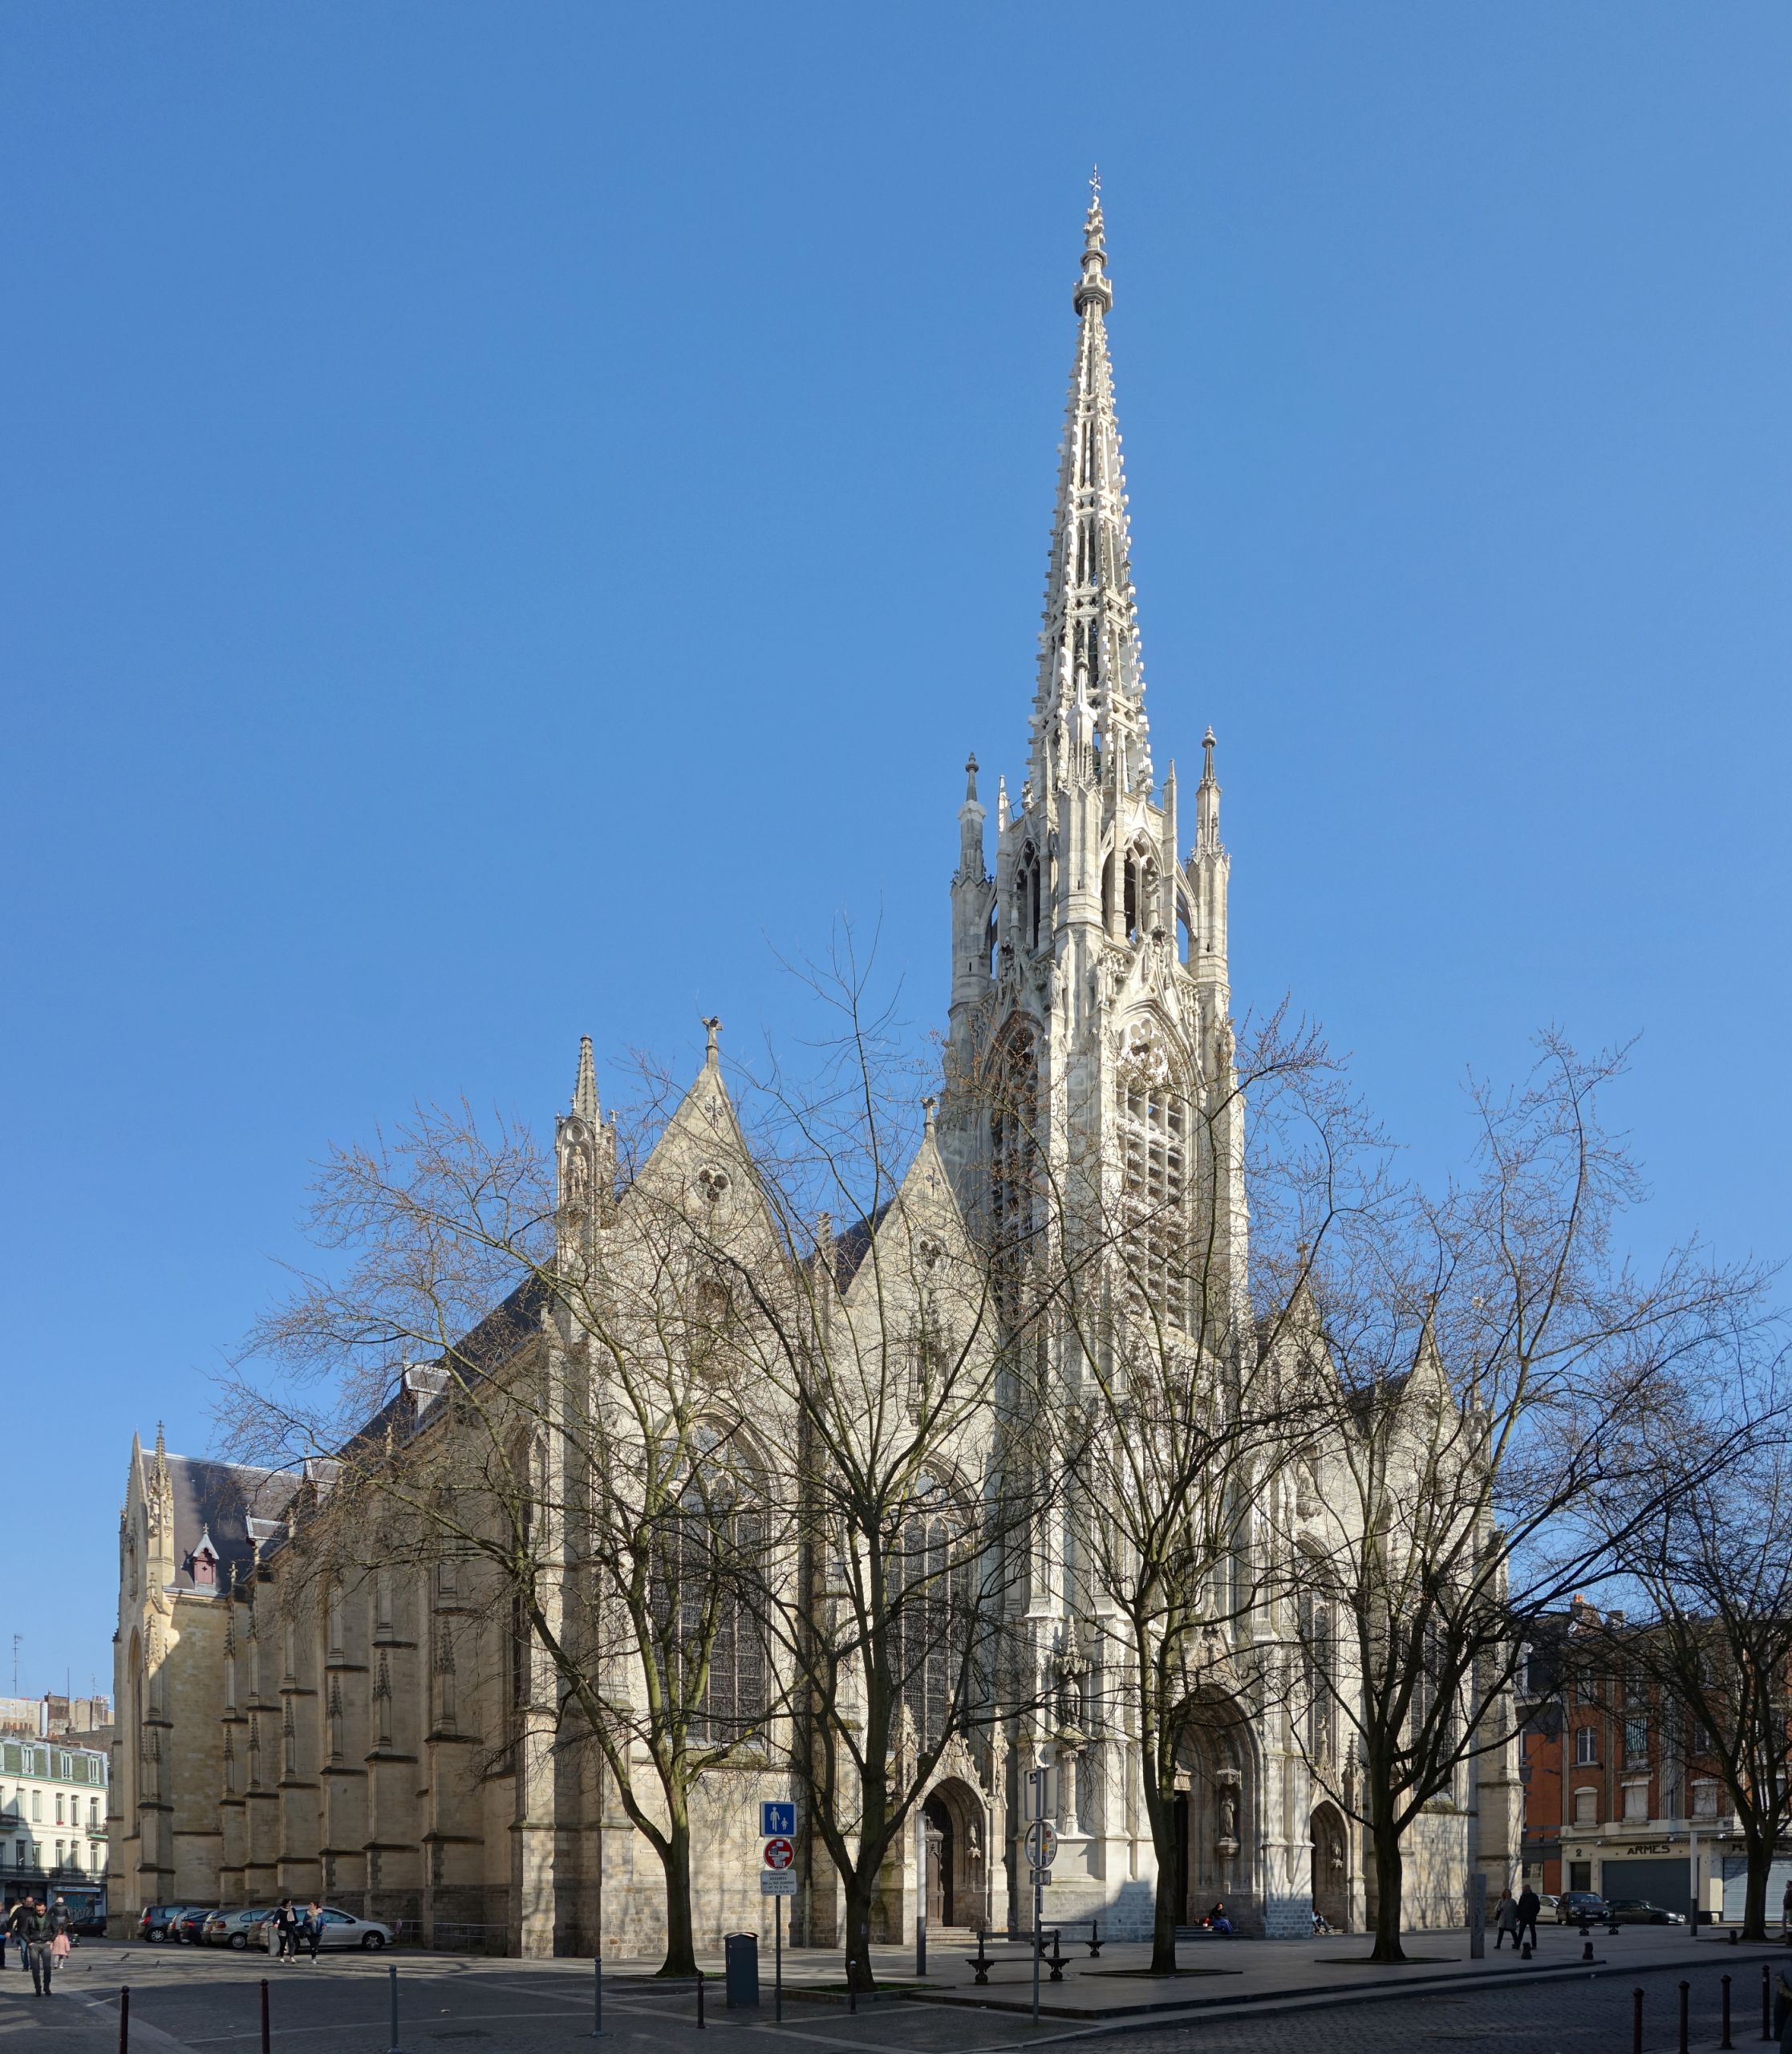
point(1090, 661)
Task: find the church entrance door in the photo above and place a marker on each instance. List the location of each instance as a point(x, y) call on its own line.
point(939, 1836)
point(1331, 1868)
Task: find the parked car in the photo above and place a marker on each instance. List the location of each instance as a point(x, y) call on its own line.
point(187, 1924)
point(1639, 1911)
point(157, 1919)
point(236, 1929)
point(1546, 1902)
point(339, 1930)
point(1579, 1907)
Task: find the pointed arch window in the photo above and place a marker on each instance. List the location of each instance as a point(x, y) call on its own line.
point(714, 1535)
point(932, 1610)
point(1014, 1161)
point(1027, 899)
point(1156, 1136)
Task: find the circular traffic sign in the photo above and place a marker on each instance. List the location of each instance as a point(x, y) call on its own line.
point(1042, 1843)
point(779, 1853)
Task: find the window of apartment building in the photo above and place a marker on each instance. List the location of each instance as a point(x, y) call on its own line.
point(59, 1807)
point(1587, 1806)
point(1637, 1800)
point(1580, 1875)
point(37, 1807)
point(1636, 1738)
point(1587, 1746)
point(1704, 1798)
point(21, 1854)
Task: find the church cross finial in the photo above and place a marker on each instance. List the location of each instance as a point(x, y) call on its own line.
point(711, 1029)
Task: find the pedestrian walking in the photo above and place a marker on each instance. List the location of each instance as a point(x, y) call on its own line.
point(58, 1923)
point(1782, 2010)
point(1785, 1907)
point(1529, 1904)
point(314, 1927)
point(1506, 1921)
point(34, 1932)
point(286, 1931)
point(15, 1925)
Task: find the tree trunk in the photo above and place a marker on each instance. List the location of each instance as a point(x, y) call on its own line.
point(681, 1953)
point(1755, 1904)
point(1389, 1881)
point(860, 1885)
point(1167, 1909)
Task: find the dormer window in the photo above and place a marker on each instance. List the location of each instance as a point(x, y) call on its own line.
point(202, 1564)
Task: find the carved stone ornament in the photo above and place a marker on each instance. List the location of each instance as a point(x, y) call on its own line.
point(1143, 1052)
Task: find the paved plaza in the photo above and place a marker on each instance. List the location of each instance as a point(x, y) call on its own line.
point(1256, 1998)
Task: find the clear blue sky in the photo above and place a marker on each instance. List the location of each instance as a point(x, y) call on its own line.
point(511, 511)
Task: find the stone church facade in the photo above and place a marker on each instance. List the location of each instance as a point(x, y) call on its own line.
point(368, 1745)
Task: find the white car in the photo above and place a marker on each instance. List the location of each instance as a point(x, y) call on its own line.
point(340, 1930)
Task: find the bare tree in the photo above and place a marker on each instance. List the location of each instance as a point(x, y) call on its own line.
point(1710, 1560)
point(913, 1474)
point(1497, 1372)
point(576, 1450)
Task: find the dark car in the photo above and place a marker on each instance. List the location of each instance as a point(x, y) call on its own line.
point(187, 1925)
point(156, 1921)
point(1579, 1908)
point(1639, 1911)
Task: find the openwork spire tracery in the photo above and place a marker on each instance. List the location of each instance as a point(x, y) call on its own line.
point(1092, 670)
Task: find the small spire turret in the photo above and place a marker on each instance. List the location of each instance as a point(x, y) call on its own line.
point(585, 1090)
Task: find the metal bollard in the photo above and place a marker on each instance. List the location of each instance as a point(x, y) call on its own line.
point(597, 1998)
point(1726, 2041)
point(701, 2028)
point(264, 2015)
point(392, 1986)
point(1686, 1993)
point(852, 1989)
point(124, 2020)
point(1766, 2003)
point(1635, 2022)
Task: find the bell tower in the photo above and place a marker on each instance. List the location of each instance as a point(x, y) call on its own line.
point(1090, 1054)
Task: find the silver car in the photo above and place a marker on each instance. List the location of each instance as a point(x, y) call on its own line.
point(339, 1929)
point(234, 1929)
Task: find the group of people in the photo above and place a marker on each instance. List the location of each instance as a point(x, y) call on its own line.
point(1516, 1916)
point(43, 1933)
point(293, 1927)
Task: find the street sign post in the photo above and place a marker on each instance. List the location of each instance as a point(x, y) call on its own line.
point(1041, 1843)
point(778, 1818)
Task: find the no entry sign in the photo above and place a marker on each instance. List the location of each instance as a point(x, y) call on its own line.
point(779, 1853)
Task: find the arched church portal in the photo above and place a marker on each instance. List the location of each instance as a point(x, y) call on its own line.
point(1216, 1804)
point(1332, 1867)
point(956, 1827)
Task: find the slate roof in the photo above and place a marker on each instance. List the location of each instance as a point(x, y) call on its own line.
point(220, 1499)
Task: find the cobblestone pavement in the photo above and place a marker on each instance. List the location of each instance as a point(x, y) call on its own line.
point(201, 2004)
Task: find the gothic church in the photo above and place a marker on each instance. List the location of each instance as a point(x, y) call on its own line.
point(266, 1748)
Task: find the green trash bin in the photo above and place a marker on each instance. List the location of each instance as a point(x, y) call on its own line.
point(741, 1951)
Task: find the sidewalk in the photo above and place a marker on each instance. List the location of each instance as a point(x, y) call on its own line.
point(1248, 1999)
point(1223, 1977)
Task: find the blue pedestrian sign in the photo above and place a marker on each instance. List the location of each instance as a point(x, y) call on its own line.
point(779, 1819)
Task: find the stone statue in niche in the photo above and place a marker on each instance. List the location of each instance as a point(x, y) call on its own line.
point(576, 1178)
